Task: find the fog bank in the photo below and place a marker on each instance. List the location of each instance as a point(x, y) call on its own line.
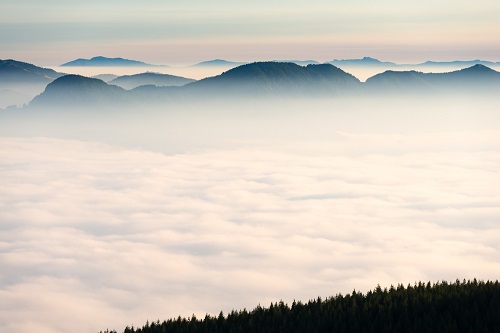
point(110, 219)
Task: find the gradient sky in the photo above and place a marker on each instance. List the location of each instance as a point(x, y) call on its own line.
point(182, 32)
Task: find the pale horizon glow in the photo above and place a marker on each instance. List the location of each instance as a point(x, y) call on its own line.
point(179, 32)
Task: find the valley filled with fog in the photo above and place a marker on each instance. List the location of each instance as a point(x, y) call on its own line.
point(213, 166)
point(197, 207)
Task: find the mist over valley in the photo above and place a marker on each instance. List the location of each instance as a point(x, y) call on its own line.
point(146, 196)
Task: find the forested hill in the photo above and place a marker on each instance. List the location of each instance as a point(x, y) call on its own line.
point(277, 79)
point(468, 306)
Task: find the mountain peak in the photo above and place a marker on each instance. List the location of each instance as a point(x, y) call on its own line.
point(103, 57)
point(218, 62)
point(104, 61)
point(149, 78)
point(362, 62)
point(478, 68)
point(278, 78)
point(76, 90)
point(370, 59)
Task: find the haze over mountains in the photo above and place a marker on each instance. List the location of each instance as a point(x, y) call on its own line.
point(277, 78)
point(13, 72)
point(20, 82)
point(100, 61)
point(108, 62)
point(477, 79)
point(366, 61)
point(80, 91)
point(156, 79)
point(266, 79)
point(218, 63)
point(105, 77)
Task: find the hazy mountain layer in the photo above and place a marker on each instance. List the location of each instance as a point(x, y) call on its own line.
point(16, 72)
point(21, 81)
point(156, 79)
point(105, 77)
point(76, 90)
point(275, 78)
point(218, 63)
point(103, 61)
point(264, 79)
point(366, 61)
point(477, 78)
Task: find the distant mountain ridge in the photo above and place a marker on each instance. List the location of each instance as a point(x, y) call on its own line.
point(361, 62)
point(80, 91)
point(300, 62)
point(157, 79)
point(12, 71)
point(105, 77)
point(21, 81)
point(256, 79)
point(368, 61)
point(472, 79)
point(468, 63)
point(218, 63)
point(270, 79)
point(277, 78)
point(104, 61)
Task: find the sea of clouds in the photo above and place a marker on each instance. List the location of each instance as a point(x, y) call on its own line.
point(96, 235)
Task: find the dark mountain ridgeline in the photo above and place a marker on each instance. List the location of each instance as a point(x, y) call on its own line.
point(104, 61)
point(278, 79)
point(156, 79)
point(21, 81)
point(14, 72)
point(468, 306)
point(476, 72)
point(268, 80)
point(475, 79)
point(80, 91)
point(398, 81)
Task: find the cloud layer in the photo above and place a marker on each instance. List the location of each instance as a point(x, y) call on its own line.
point(94, 236)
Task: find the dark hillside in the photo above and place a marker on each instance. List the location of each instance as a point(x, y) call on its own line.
point(80, 91)
point(14, 72)
point(475, 79)
point(278, 79)
point(156, 79)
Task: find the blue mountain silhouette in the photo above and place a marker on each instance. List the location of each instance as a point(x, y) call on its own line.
point(103, 61)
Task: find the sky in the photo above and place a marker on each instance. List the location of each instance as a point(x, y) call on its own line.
point(184, 32)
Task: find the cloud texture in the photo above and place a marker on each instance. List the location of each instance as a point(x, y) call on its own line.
point(94, 236)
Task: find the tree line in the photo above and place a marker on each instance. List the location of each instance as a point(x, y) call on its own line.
point(461, 306)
